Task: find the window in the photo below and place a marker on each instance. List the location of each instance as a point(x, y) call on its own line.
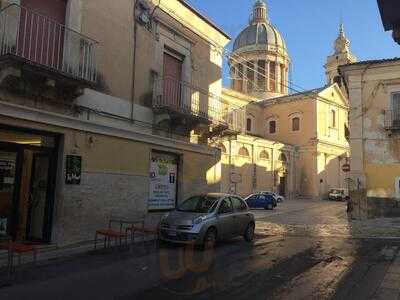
point(272, 70)
point(243, 152)
point(240, 78)
point(396, 109)
point(261, 82)
point(248, 124)
point(238, 204)
point(225, 207)
point(333, 118)
point(283, 79)
point(250, 77)
point(264, 155)
point(272, 127)
point(296, 124)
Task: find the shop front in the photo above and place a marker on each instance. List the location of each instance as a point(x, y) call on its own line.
point(28, 161)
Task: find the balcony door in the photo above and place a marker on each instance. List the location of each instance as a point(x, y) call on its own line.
point(172, 80)
point(42, 31)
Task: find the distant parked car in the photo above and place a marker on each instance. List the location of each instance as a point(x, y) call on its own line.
point(206, 219)
point(266, 201)
point(278, 198)
point(338, 194)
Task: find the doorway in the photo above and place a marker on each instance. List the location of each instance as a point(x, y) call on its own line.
point(27, 182)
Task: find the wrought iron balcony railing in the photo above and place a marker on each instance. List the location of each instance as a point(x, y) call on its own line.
point(392, 120)
point(192, 102)
point(39, 40)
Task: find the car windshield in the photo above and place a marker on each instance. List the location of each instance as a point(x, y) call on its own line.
point(199, 204)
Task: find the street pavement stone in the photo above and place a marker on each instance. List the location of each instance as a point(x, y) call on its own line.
point(387, 294)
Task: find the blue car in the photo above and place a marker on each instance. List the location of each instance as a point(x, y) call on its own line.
point(261, 201)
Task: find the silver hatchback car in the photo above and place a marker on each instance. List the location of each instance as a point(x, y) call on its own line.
point(205, 219)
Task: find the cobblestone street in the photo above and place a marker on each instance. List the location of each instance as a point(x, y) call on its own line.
point(304, 250)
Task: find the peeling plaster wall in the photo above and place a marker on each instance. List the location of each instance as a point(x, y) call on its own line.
point(375, 160)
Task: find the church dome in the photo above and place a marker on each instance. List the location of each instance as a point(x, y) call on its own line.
point(259, 63)
point(260, 33)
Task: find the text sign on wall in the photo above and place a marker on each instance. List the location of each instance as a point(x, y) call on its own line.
point(73, 172)
point(163, 182)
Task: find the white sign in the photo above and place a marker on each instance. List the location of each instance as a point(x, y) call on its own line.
point(163, 182)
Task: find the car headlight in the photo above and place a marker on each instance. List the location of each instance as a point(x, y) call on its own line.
point(199, 220)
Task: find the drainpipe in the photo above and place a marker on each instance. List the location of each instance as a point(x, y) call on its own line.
point(134, 61)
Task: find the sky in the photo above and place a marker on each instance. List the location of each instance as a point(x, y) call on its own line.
point(309, 28)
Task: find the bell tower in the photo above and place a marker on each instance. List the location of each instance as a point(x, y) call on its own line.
point(342, 56)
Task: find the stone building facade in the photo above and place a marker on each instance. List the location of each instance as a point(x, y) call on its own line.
point(307, 128)
point(91, 126)
point(374, 93)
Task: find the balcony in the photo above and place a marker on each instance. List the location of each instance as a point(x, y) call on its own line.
point(392, 120)
point(36, 44)
point(191, 106)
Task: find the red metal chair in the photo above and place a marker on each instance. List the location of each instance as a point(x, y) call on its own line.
point(18, 248)
point(111, 233)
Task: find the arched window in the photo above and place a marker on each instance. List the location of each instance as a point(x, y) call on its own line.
point(272, 126)
point(243, 151)
point(264, 155)
point(333, 118)
point(296, 124)
point(248, 124)
point(283, 158)
point(222, 147)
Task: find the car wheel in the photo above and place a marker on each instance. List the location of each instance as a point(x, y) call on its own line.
point(249, 233)
point(210, 239)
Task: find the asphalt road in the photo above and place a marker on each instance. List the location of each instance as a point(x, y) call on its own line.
point(306, 264)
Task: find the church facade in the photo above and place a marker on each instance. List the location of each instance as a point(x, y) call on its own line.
point(294, 144)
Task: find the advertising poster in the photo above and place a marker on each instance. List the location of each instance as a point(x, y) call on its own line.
point(73, 170)
point(163, 182)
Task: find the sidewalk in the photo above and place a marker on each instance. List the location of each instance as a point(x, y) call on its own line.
point(389, 289)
